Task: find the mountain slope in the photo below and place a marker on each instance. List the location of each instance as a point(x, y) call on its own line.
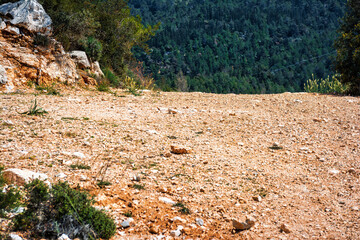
point(239, 46)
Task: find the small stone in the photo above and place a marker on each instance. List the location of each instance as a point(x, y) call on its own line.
point(83, 178)
point(61, 175)
point(199, 221)
point(173, 111)
point(284, 228)
point(166, 200)
point(152, 132)
point(64, 237)
point(202, 190)
point(179, 150)
point(154, 229)
point(352, 171)
point(178, 219)
point(175, 233)
point(334, 171)
point(250, 222)
point(328, 210)
point(136, 178)
point(13, 236)
point(257, 198)
point(355, 208)
point(167, 155)
point(125, 224)
point(163, 190)
point(8, 123)
point(78, 155)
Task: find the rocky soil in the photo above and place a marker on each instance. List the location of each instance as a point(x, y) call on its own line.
point(289, 163)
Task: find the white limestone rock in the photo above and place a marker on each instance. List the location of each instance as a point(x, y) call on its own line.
point(3, 75)
point(22, 176)
point(81, 59)
point(28, 14)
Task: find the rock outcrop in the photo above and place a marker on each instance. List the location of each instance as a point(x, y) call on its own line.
point(28, 14)
point(81, 59)
point(29, 54)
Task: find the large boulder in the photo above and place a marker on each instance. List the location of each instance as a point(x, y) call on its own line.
point(28, 14)
point(81, 59)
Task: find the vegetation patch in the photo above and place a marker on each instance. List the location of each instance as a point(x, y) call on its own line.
point(80, 166)
point(61, 209)
point(35, 110)
point(329, 85)
point(102, 184)
point(49, 90)
point(139, 186)
point(182, 208)
point(10, 197)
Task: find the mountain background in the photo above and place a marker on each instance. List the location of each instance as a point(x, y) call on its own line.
point(231, 46)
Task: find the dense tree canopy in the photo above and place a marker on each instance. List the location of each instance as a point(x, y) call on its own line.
point(348, 47)
point(254, 46)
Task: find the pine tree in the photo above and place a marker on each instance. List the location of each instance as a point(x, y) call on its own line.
point(348, 47)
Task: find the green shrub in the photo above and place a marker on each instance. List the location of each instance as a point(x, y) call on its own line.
point(111, 77)
point(41, 40)
point(92, 47)
point(10, 198)
point(61, 209)
point(328, 85)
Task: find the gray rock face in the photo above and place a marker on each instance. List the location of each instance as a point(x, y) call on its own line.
point(3, 76)
point(28, 14)
point(80, 58)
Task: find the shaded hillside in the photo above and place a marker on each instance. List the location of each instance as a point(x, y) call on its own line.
point(239, 46)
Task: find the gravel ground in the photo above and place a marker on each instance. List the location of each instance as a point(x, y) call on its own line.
point(291, 159)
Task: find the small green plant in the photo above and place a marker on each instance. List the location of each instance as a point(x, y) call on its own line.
point(102, 184)
point(62, 207)
point(35, 110)
point(330, 85)
point(182, 208)
point(128, 214)
point(132, 86)
point(80, 166)
point(103, 86)
point(49, 90)
point(139, 186)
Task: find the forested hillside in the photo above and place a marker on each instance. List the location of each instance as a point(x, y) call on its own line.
point(252, 46)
